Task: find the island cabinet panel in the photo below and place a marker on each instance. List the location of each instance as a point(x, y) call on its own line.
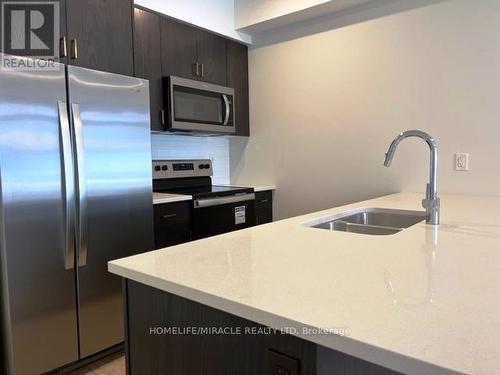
point(100, 35)
point(237, 78)
point(158, 342)
point(147, 60)
point(178, 49)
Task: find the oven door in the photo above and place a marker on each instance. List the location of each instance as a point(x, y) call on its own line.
point(218, 215)
point(196, 106)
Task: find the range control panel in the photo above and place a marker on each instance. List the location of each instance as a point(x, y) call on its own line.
point(181, 168)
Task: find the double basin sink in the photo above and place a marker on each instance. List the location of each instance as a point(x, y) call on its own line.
point(374, 221)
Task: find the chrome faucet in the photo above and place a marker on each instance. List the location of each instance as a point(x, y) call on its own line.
point(431, 201)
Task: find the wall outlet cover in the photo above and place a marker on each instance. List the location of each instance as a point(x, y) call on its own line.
point(461, 161)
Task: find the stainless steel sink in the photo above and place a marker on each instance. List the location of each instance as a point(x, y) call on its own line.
point(374, 221)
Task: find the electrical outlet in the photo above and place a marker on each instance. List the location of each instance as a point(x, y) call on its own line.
point(461, 162)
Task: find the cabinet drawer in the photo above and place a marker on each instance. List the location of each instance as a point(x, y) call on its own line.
point(264, 207)
point(172, 223)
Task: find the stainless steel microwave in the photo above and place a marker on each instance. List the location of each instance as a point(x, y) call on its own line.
point(198, 107)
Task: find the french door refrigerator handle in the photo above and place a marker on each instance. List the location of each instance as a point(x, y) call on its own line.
point(68, 186)
point(228, 110)
point(82, 188)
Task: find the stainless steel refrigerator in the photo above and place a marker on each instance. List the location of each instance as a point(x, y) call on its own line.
point(75, 171)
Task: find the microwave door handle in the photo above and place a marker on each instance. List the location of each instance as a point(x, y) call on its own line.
point(228, 110)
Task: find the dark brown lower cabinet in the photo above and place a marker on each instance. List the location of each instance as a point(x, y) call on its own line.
point(172, 223)
point(158, 342)
point(264, 207)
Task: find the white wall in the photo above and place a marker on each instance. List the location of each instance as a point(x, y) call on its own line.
point(214, 15)
point(324, 108)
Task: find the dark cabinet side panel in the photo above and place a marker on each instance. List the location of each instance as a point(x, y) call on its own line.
point(212, 55)
point(103, 31)
point(178, 49)
point(237, 78)
point(153, 351)
point(147, 60)
point(210, 354)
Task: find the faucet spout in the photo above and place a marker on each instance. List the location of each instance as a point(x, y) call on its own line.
point(431, 202)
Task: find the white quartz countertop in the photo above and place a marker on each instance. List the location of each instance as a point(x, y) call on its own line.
point(422, 301)
point(159, 198)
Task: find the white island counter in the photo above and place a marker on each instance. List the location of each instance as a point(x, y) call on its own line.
point(422, 301)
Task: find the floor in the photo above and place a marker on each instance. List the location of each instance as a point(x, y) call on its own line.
point(111, 365)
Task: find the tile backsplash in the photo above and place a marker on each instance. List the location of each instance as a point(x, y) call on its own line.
point(171, 146)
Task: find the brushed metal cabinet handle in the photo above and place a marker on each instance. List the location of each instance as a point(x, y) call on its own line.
point(63, 47)
point(69, 187)
point(74, 49)
point(81, 183)
point(168, 216)
point(196, 71)
point(201, 70)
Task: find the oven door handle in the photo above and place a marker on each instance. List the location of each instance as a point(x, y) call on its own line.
point(228, 110)
point(209, 202)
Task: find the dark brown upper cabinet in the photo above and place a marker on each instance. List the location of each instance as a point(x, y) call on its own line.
point(212, 58)
point(237, 78)
point(165, 47)
point(192, 53)
point(99, 35)
point(147, 60)
point(178, 49)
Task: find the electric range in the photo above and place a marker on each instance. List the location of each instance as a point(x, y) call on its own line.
point(216, 209)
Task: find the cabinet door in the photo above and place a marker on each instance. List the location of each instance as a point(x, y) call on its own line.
point(147, 60)
point(264, 207)
point(102, 30)
point(178, 49)
point(212, 56)
point(172, 223)
point(237, 78)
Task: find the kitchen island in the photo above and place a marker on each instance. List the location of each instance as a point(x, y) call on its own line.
point(421, 301)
